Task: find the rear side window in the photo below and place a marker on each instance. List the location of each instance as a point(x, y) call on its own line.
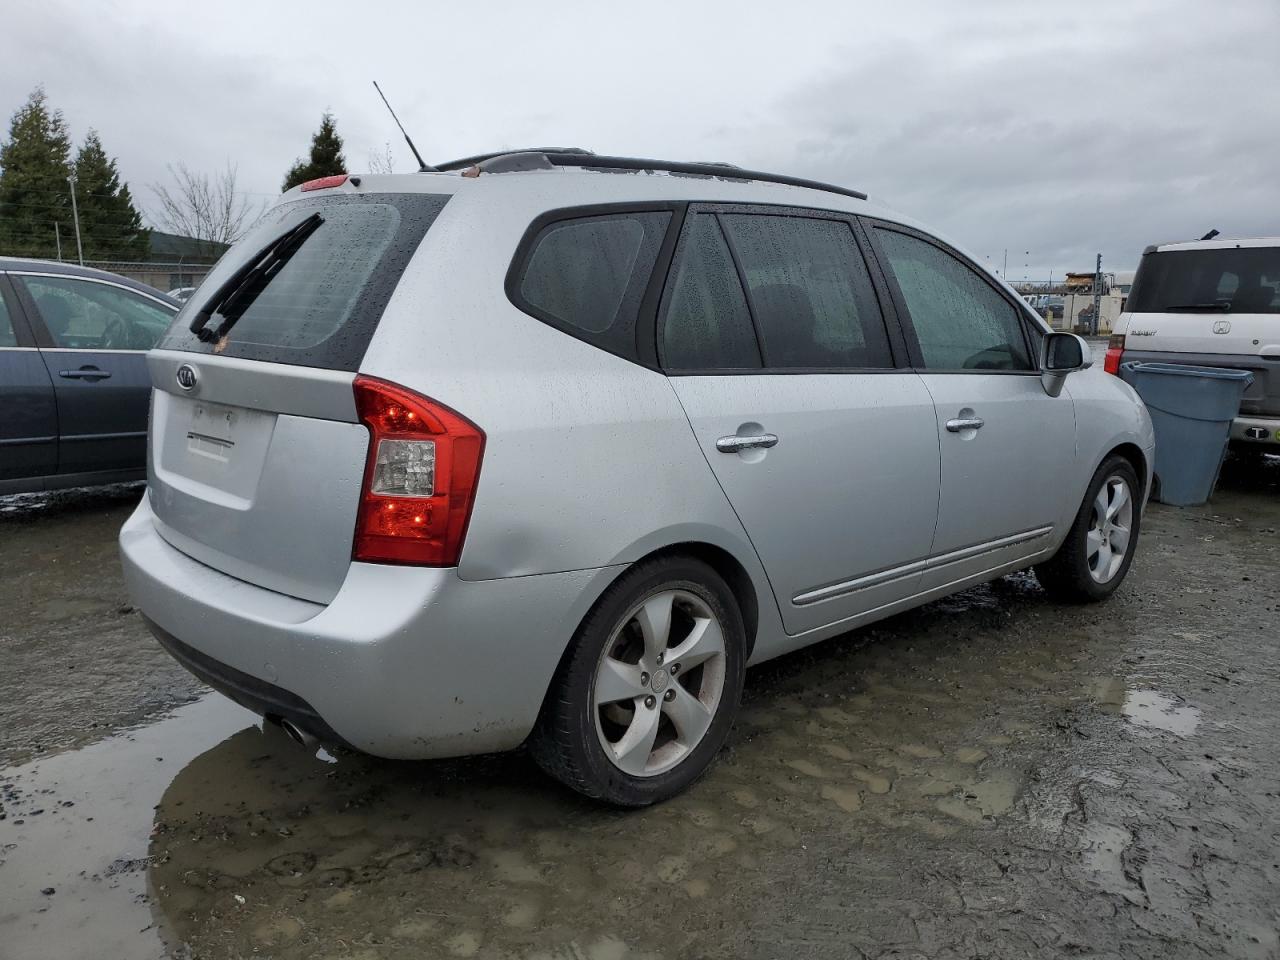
point(810, 292)
point(707, 325)
point(1235, 279)
point(587, 275)
point(960, 320)
point(322, 307)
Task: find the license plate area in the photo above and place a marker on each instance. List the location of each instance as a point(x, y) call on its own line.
point(212, 430)
point(214, 451)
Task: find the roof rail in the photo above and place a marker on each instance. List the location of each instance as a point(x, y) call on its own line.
point(698, 169)
point(511, 161)
point(465, 162)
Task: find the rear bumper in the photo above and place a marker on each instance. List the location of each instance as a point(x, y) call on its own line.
point(408, 662)
point(1260, 430)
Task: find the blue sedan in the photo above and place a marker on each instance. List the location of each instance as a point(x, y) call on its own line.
point(74, 387)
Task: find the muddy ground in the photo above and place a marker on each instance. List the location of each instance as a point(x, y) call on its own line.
point(990, 776)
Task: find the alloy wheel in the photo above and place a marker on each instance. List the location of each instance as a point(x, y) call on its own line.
point(1110, 529)
point(659, 683)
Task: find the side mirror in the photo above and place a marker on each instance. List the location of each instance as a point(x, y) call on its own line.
point(1062, 353)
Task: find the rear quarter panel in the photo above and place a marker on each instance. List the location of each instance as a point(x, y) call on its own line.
point(589, 459)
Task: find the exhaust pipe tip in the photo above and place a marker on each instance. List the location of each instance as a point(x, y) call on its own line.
point(298, 735)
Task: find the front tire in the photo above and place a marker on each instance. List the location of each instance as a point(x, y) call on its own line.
point(1095, 557)
point(648, 691)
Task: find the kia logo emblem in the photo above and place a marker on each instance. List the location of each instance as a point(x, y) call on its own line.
point(187, 377)
point(1222, 326)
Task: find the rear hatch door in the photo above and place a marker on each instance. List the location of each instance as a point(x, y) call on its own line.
point(256, 453)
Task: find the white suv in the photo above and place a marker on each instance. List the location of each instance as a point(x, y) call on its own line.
point(1211, 303)
point(550, 446)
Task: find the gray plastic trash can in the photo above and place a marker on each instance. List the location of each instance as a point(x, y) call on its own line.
point(1191, 409)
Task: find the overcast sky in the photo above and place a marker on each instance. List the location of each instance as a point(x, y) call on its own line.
point(1053, 130)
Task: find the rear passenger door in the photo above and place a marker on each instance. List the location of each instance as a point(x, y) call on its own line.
point(772, 334)
point(1006, 446)
point(93, 336)
point(28, 417)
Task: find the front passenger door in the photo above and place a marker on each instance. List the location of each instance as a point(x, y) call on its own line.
point(1006, 446)
point(94, 335)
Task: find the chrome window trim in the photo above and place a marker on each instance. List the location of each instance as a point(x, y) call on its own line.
point(105, 283)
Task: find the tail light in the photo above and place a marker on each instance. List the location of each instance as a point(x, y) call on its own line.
point(1115, 351)
point(420, 478)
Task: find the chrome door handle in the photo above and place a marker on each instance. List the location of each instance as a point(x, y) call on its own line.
point(965, 423)
point(734, 444)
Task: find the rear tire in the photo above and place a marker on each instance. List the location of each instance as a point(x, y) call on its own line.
point(647, 692)
point(1095, 557)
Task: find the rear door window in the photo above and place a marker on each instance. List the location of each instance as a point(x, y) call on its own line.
point(706, 323)
point(88, 315)
point(960, 320)
point(1224, 279)
point(587, 275)
point(322, 307)
point(811, 295)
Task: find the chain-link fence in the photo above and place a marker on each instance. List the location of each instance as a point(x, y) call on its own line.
point(162, 276)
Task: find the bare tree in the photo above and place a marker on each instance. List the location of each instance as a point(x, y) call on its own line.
point(208, 208)
point(382, 161)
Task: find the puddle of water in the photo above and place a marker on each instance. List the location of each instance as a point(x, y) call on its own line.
point(89, 842)
point(1150, 708)
point(1147, 708)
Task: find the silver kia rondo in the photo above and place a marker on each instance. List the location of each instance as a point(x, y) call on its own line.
point(547, 447)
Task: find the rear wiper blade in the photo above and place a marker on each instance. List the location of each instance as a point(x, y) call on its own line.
point(237, 294)
point(1222, 305)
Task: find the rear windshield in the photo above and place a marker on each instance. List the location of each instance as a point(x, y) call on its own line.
point(321, 308)
point(1232, 279)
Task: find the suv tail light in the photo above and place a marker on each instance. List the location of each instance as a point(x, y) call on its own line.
point(1115, 352)
point(420, 478)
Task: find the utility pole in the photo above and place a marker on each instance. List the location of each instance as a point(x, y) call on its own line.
point(57, 238)
point(1097, 294)
point(75, 214)
point(1004, 273)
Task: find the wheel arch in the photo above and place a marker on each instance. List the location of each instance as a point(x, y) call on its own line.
point(731, 570)
point(1137, 459)
point(746, 588)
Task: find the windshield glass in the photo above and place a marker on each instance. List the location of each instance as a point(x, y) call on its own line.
point(1230, 279)
point(320, 305)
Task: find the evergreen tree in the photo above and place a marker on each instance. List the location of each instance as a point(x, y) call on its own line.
point(110, 227)
point(326, 156)
point(34, 194)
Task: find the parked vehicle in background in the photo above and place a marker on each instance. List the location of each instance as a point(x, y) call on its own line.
point(74, 386)
point(182, 294)
point(441, 462)
point(1211, 303)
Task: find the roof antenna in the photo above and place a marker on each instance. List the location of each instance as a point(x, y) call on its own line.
point(1210, 235)
point(423, 167)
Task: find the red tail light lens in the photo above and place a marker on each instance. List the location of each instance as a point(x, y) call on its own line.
point(419, 480)
point(1115, 352)
point(323, 183)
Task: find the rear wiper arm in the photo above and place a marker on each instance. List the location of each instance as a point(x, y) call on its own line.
point(1223, 305)
point(237, 294)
